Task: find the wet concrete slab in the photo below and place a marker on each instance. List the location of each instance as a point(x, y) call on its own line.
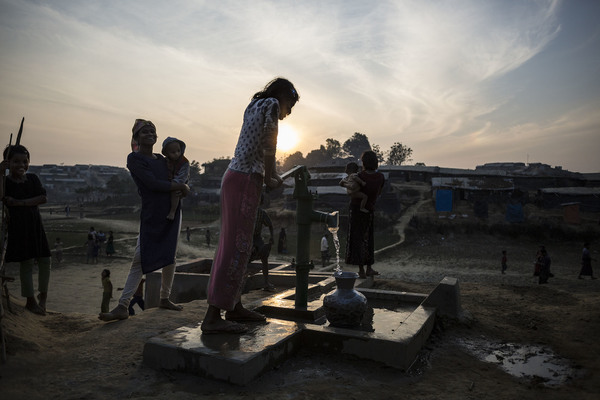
point(230, 357)
point(393, 332)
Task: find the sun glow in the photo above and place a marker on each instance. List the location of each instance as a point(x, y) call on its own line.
point(287, 139)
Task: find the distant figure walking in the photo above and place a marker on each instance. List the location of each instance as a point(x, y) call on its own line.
point(188, 233)
point(91, 252)
point(545, 267)
point(503, 261)
point(586, 262)
point(537, 263)
point(324, 250)
point(207, 236)
point(282, 242)
point(110, 244)
point(107, 289)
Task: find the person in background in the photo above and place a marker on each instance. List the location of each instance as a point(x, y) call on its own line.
point(107, 289)
point(545, 267)
point(586, 262)
point(282, 242)
point(252, 165)
point(27, 244)
point(260, 249)
point(157, 242)
point(324, 250)
point(503, 261)
point(110, 244)
point(360, 243)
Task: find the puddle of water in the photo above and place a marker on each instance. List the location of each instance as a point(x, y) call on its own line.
point(523, 361)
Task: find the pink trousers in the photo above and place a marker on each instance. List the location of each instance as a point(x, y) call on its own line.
point(240, 195)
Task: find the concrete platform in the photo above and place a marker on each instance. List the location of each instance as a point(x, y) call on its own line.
point(229, 357)
point(398, 326)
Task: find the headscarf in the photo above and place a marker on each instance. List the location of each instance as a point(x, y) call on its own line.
point(137, 125)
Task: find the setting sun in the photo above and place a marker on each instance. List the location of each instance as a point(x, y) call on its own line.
point(287, 138)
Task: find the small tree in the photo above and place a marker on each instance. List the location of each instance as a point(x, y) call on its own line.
point(377, 150)
point(317, 156)
point(356, 145)
point(398, 154)
point(293, 159)
point(194, 169)
point(333, 148)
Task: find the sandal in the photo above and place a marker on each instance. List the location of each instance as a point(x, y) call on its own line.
point(225, 327)
point(244, 316)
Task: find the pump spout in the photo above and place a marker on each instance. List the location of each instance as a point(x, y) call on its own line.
point(332, 220)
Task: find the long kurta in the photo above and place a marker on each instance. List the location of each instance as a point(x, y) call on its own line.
point(26, 236)
point(360, 243)
point(158, 235)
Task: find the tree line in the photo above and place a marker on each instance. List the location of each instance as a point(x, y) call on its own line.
point(353, 147)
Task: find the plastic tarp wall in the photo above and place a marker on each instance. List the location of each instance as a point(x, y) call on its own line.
point(443, 200)
point(514, 213)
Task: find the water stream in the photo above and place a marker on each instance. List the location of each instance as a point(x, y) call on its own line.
point(336, 243)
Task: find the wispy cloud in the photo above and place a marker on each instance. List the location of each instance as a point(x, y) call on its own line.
point(422, 72)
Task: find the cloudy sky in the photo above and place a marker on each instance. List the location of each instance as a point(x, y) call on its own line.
point(460, 82)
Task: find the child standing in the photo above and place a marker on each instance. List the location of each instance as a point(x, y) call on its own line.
point(503, 262)
point(110, 244)
point(89, 245)
point(106, 290)
point(179, 168)
point(353, 183)
point(27, 242)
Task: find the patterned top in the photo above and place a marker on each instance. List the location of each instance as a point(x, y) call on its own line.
point(258, 136)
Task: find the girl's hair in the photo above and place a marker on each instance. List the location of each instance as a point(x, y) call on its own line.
point(106, 272)
point(278, 87)
point(11, 150)
point(369, 160)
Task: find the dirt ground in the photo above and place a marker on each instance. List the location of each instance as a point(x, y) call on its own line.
point(73, 355)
